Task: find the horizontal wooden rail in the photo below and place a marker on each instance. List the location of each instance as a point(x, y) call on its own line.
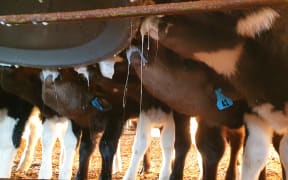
point(143, 10)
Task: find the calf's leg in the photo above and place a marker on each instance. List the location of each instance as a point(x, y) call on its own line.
point(146, 162)
point(117, 161)
point(167, 141)
point(108, 146)
point(69, 143)
point(141, 142)
point(182, 144)
point(236, 139)
point(34, 128)
point(49, 137)
point(211, 146)
point(87, 147)
point(256, 150)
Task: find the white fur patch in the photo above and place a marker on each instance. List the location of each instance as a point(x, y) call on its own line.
point(150, 27)
point(277, 119)
point(256, 22)
point(256, 152)
point(222, 61)
point(47, 72)
point(132, 50)
point(83, 71)
point(107, 68)
point(157, 117)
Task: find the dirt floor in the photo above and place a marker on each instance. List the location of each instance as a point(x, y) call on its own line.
point(191, 167)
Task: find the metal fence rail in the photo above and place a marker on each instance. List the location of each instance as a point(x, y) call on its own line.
point(143, 10)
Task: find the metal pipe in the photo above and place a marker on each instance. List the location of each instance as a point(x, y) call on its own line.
point(143, 10)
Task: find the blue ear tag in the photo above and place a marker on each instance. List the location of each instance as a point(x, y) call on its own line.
point(98, 104)
point(223, 102)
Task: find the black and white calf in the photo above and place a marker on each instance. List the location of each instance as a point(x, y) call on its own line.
point(18, 117)
point(24, 83)
point(14, 113)
point(113, 92)
point(71, 86)
point(31, 88)
point(51, 129)
point(54, 128)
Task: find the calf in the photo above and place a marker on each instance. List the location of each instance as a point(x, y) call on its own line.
point(250, 52)
point(107, 120)
point(166, 70)
point(31, 88)
point(25, 83)
point(14, 113)
point(165, 73)
point(71, 96)
point(182, 130)
point(51, 129)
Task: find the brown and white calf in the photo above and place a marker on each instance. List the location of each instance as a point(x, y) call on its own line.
point(69, 88)
point(248, 49)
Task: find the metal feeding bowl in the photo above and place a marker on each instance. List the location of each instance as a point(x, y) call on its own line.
point(61, 44)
